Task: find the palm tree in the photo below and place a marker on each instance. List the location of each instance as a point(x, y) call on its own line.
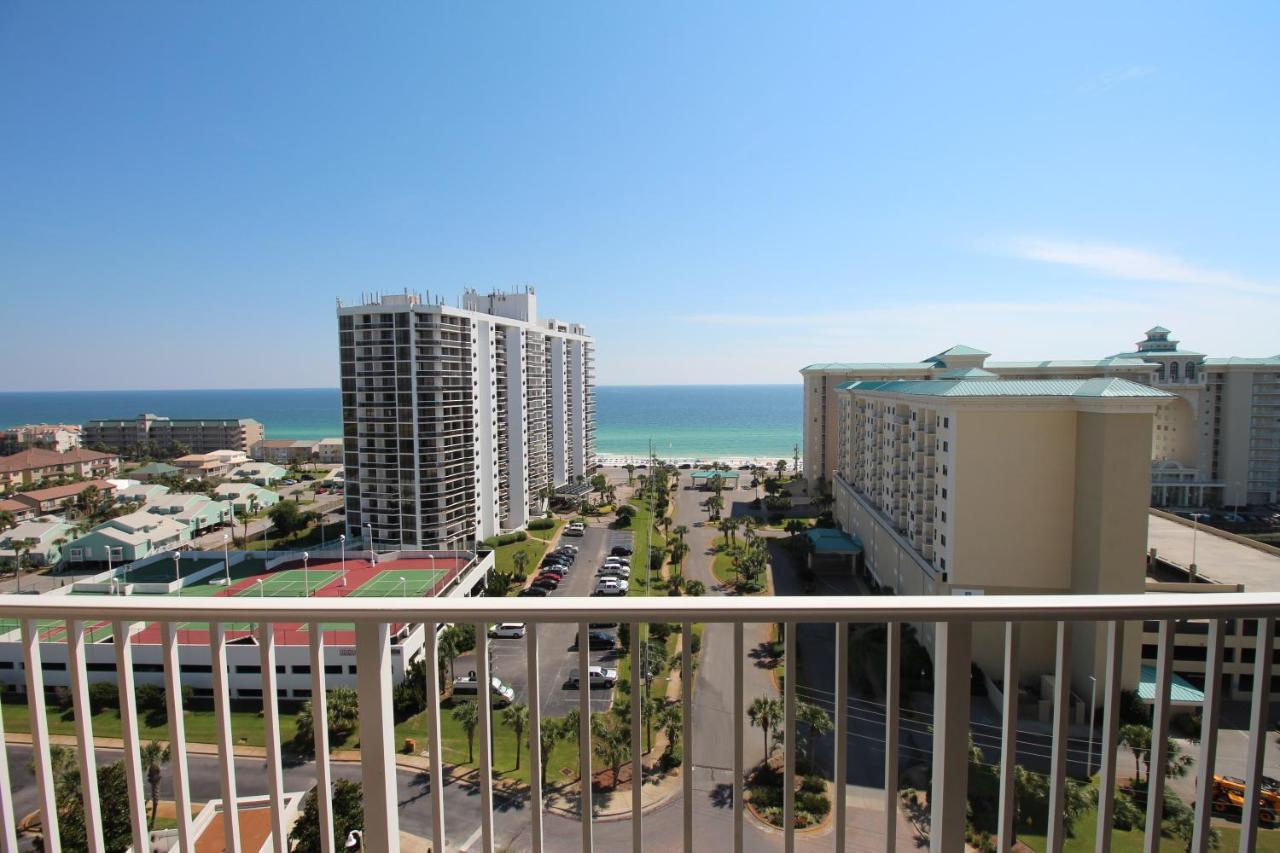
point(725, 526)
point(816, 721)
point(1138, 738)
point(60, 543)
point(631, 470)
point(516, 717)
point(550, 733)
point(520, 560)
point(6, 519)
point(448, 650)
point(680, 532)
point(612, 744)
point(765, 712)
point(670, 720)
point(153, 757)
point(652, 710)
point(781, 467)
point(467, 715)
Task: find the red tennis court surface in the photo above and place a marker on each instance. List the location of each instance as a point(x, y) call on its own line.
point(324, 578)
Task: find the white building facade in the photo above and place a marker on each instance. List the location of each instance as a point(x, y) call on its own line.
point(459, 421)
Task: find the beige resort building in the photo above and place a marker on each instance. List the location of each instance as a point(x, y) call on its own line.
point(1217, 443)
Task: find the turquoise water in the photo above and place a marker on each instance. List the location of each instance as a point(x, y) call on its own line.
point(682, 420)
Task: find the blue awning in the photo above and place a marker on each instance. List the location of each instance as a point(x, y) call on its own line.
point(828, 540)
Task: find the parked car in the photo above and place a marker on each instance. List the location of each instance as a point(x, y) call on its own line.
point(306, 478)
point(534, 592)
point(547, 583)
point(558, 571)
point(613, 572)
point(574, 531)
point(597, 640)
point(601, 625)
point(507, 631)
point(611, 586)
point(620, 551)
point(597, 676)
point(289, 482)
point(467, 685)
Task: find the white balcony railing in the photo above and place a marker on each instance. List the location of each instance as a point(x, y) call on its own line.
point(951, 620)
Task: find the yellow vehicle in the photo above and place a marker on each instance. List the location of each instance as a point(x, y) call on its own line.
point(1228, 797)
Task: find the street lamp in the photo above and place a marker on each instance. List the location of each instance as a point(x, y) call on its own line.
point(306, 575)
point(404, 587)
point(1093, 695)
point(226, 560)
point(373, 558)
point(177, 576)
point(260, 592)
point(342, 543)
point(1195, 530)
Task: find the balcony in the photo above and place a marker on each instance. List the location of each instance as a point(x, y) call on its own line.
point(951, 621)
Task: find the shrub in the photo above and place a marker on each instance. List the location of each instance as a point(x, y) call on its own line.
point(542, 524)
point(766, 797)
point(814, 804)
point(775, 518)
point(695, 644)
point(103, 695)
point(149, 697)
point(813, 784)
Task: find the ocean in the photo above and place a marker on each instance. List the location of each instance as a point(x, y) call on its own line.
point(683, 421)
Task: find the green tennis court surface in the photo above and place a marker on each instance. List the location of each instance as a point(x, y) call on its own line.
point(392, 582)
point(290, 583)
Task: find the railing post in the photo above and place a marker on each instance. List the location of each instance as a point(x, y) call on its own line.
point(40, 734)
point(320, 735)
point(1009, 735)
point(841, 747)
point(129, 729)
point(1110, 735)
point(1259, 706)
point(177, 735)
point(484, 707)
point(635, 631)
point(892, 691)
point(1208, 737)
point(584, 732)
point(377, 769)
point(1159, 736)
point(8, 822)
point(271, 734)
point(1058, 756)
point(789, 744)
point(948, 799)
point(88, 766)
point(435, 757)
point(226, 742)
point(535, 739)
point(686, 726)
point(739, 713)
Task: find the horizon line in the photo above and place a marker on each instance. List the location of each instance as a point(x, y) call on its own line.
point(335, 388)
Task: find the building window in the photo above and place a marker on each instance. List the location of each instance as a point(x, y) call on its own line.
point(333, 669)
point(1191, 371)
point(1173, 371)
point(944, 493)
point(945, 446)
point(946, 423)
point(248, 670)
point(944, 540)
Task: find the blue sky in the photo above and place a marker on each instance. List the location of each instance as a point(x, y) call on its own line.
point(721, 192)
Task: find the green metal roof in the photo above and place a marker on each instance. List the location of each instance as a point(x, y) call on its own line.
point(1107, 387)
point(156, 468)
point(828, 540)
point(867, 366)
point(1181, 692)
point(1273, 361)
point(968, 373)
point(1127, 361)
point(961, 349)
point(707, 475)
point(1158, 330)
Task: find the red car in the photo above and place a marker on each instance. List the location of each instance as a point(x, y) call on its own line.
point(553, 580)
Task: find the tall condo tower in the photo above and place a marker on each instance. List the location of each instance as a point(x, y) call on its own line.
point(459, 422)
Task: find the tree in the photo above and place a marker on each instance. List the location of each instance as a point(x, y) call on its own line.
point(113, 788)
point(795, 526)
point(816, 723)
point(287, 519)
point(550, 733)
point(714, 505)
point(347, 806)
point(680, 532)
point(153, 757)
point(765, 712)
point(612, 745)
point(599, 483)
point(781, 467)
point(89, 501)
point(520, 560)
point(342, 708)
point(631, 470)
point(6, 519)
point(670, 721)
point(695, 588)
point(1138, 739)
point(467, 715)
point(448, 649)
point(516, 718)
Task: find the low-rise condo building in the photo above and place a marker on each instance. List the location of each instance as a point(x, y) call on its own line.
point(973, 485)
point(459, 422)
point(37, 465)
point(215, 464)
point(56, 437)
point(288, 451)
point(39, 542)
point(55, 498)
point(161, 434)
point(1216, 444)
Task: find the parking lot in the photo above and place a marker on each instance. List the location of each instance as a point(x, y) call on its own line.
point(557, 654)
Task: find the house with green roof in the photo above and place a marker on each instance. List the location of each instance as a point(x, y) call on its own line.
point(41, 541)
point(152, 470)
point(239, 496)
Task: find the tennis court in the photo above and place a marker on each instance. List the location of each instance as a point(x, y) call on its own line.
point(399, 582)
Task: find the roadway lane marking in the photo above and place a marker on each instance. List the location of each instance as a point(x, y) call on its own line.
point(475, 836)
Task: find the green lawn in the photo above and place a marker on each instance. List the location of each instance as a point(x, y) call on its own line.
point(313, 535)
point(645, 536)
point(504, 555)
point(246, 725)
point(1124, 842)
point(548, 534)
